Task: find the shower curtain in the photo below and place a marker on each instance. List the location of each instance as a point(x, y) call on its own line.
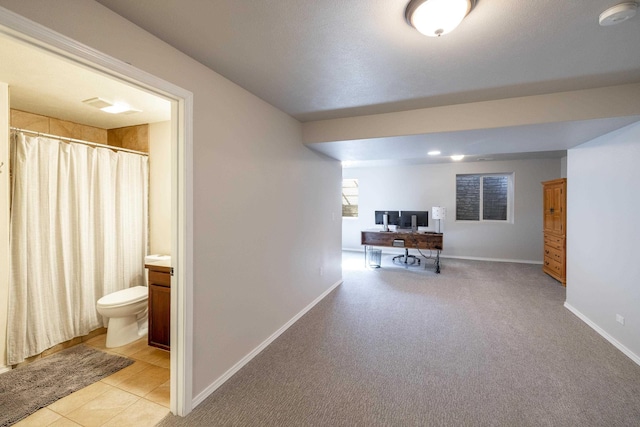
point(78, 232)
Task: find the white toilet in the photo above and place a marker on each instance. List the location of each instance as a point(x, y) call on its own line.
point(127, 313)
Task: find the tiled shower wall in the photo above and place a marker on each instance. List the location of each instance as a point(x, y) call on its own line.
point(130, 137)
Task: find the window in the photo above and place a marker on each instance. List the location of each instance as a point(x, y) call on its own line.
point(484, 197)
point(350, 198)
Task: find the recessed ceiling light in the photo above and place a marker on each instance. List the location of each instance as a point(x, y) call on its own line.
point(457, 157)
point(434, 153)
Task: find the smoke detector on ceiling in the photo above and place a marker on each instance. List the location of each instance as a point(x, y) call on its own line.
point(618, 14)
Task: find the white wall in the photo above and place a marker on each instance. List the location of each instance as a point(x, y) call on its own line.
point(160, 188)
point(263, 203)
point(420, 187)
point(603, 265)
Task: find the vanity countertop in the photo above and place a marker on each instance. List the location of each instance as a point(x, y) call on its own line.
point(163, 266)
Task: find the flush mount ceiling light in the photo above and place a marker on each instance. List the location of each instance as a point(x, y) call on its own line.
point(434, 153)
point(457, 157)
point(437, 17)
point(119, 108)
point(618, 14)
point(108, 107)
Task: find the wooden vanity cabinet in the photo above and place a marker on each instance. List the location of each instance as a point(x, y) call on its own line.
point(159, 305)
point(555, 228)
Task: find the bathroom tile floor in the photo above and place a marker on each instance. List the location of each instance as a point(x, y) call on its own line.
point(137, 395)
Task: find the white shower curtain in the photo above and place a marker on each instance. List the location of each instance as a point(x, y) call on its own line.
point(78, 232)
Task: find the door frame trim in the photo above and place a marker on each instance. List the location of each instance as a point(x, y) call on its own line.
point(22, 29)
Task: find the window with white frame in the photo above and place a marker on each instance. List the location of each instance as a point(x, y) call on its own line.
point(350, 198)
point(484, 197)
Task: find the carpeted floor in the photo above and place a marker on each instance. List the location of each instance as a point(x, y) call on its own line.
point(30, 387)
point(482, 344)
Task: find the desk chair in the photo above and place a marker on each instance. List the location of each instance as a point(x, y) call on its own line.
point(406, 257)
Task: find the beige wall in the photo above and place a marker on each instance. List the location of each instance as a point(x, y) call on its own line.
point(266, 212)
point(4, 220)
point(160, 188)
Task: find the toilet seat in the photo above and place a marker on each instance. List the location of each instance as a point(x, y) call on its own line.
point(124, 297)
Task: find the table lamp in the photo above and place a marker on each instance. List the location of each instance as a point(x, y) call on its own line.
point(438, 212)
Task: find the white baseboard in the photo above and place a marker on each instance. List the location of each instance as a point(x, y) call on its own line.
point(253, 353)
point(401, 251)
point(472, 258)
point(4, 369)
point(630, 354)
point(360, 250)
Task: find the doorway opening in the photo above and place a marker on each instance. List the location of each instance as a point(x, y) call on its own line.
point(15, 29)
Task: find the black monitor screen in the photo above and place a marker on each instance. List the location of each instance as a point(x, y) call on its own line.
point(393, 217)
point(422, 218)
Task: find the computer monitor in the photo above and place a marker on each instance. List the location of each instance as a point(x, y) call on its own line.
point(405, 221)
point(393, 217)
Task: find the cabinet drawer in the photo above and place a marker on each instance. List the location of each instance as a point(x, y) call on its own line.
point(553, 253)
point(554, 242)
point(157, 278)
point(553, 267)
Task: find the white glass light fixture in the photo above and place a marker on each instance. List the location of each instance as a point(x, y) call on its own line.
point(618, 14)
point(457, 157)
point(434, 153)
point(438, 213)
point(434, 18)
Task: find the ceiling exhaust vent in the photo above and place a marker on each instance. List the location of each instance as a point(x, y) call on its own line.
point(97, 102)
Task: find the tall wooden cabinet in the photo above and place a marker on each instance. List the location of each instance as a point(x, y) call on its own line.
point(555, 228)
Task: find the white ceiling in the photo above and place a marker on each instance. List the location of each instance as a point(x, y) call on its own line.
point(319, 59)
point(550, 140)
point(43, 83)
point(329, 59)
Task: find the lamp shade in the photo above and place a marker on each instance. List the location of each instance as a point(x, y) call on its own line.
point(438, 212)
point(437, 17)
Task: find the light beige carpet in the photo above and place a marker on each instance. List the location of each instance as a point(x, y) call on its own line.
point(482, 344)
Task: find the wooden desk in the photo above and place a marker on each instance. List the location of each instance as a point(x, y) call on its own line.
point(404, 239)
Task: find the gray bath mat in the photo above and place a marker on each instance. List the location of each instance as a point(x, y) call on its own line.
point(26, 389)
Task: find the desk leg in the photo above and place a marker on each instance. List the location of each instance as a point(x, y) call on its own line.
point(438, 262)
point(365, 256)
